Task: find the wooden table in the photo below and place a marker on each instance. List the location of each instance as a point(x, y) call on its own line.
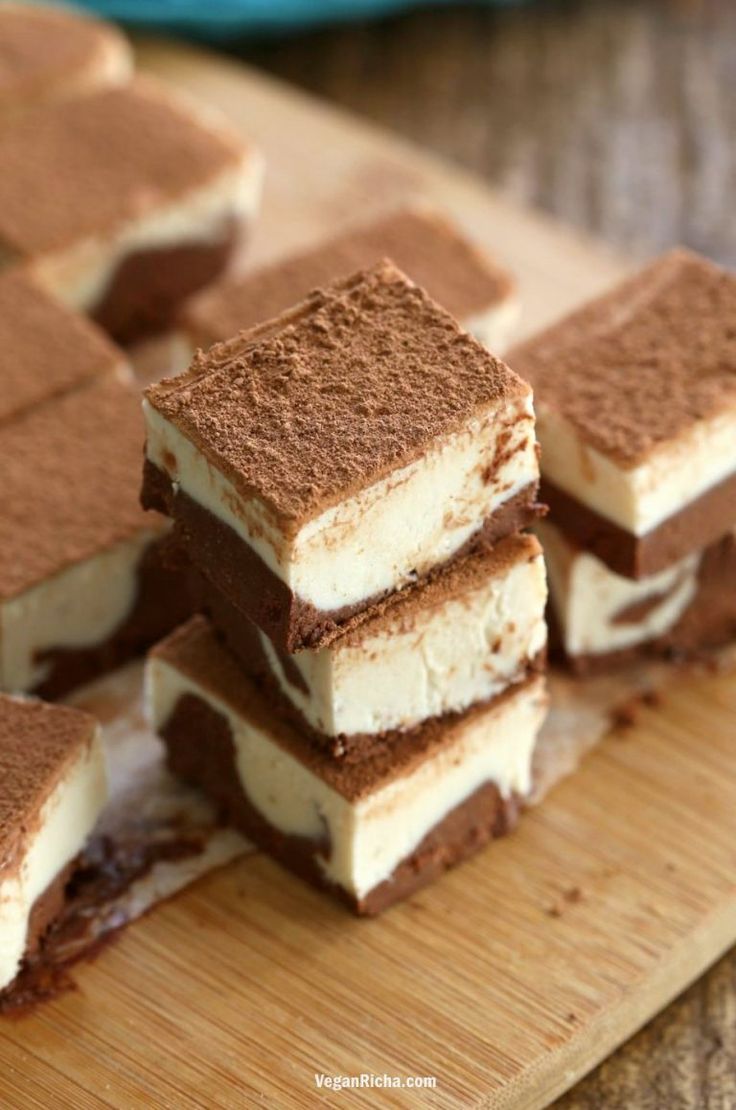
point(620, 118)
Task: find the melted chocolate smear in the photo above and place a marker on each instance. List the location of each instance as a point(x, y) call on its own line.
point(94, 910)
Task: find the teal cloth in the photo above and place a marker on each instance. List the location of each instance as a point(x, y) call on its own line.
point(223, 19)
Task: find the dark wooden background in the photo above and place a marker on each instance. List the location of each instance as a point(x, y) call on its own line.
point(619, 117)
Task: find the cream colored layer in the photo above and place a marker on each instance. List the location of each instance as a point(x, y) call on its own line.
point(370, 837)
point(448, 657)
point(641, 497)
point(66, 820)
point(79, 607)
point(495, 327)
point(423, 513)
point(587, 597)
point(81, 275)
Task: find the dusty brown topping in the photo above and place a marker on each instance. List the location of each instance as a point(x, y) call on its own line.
point(355, 382)
point(461, 578)
point(46, 349)
point(426, 246)
point(641, 365)
point(37, 744)
point(155, 151)
point(41, 48)
point(194, 651)
point(70, 479)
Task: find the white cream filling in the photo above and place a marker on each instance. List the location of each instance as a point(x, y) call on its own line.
point(452, 655)
point(587, 596)
point(79, 607)
point(80, 275)
point(423, 513)
point(370, 837)
point(66, 820)
point(641, 497)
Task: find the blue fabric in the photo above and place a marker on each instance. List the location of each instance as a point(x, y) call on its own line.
point(221, 19)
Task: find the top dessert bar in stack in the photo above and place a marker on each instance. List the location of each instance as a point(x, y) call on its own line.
point(422, 242)
point(145, 200)
point(636, 416)
point(247, 452)
point(50, 54)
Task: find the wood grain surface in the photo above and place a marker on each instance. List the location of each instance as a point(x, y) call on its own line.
point(620, 118)
point(520, 970)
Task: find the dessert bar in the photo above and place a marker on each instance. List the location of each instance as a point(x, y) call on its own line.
point(83, 585)
point(49, 53)
point(371, 832)
point(52, 789)
point(351, 447)
point(601, 618)
point(461, 639)
point(148, 200)
point(426, 245)
point(47, 349)
point(636, 415)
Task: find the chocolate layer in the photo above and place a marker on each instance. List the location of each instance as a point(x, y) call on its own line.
point(696, 526)
point(149, 285)
point(252, 587)
point(161, 603)
point(200, 750)
point(708, 622)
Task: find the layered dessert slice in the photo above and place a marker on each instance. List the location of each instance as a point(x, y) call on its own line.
point(636, 415)
point(352, 446)
point(426, 245)
point(47, 349)
point(372, 832)
point(52, 789)
point(83, 585)
point(636, 401)
point(457, 641)
point(601, 619)
point(150, 201)
point(48, 53)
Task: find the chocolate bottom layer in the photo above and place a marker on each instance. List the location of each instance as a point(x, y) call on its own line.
point(162, 602)
point(200, 750)
point(149, 286)
point(708, 622)
point(696, 526)
point(252, 587)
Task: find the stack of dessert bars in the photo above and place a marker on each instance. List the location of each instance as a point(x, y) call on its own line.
point(350, 484)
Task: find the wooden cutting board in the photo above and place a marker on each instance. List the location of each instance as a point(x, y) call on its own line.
point(518, 972)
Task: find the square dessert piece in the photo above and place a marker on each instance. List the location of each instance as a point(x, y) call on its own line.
point(426, 245)
point(371, 832)
point(46, 348)
point(459, 640)
point(82, 582)
point(52, 789)
point(50, 53)
point(636, 415)
point(352, 446)
point(602, 619)
point(150, 201)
